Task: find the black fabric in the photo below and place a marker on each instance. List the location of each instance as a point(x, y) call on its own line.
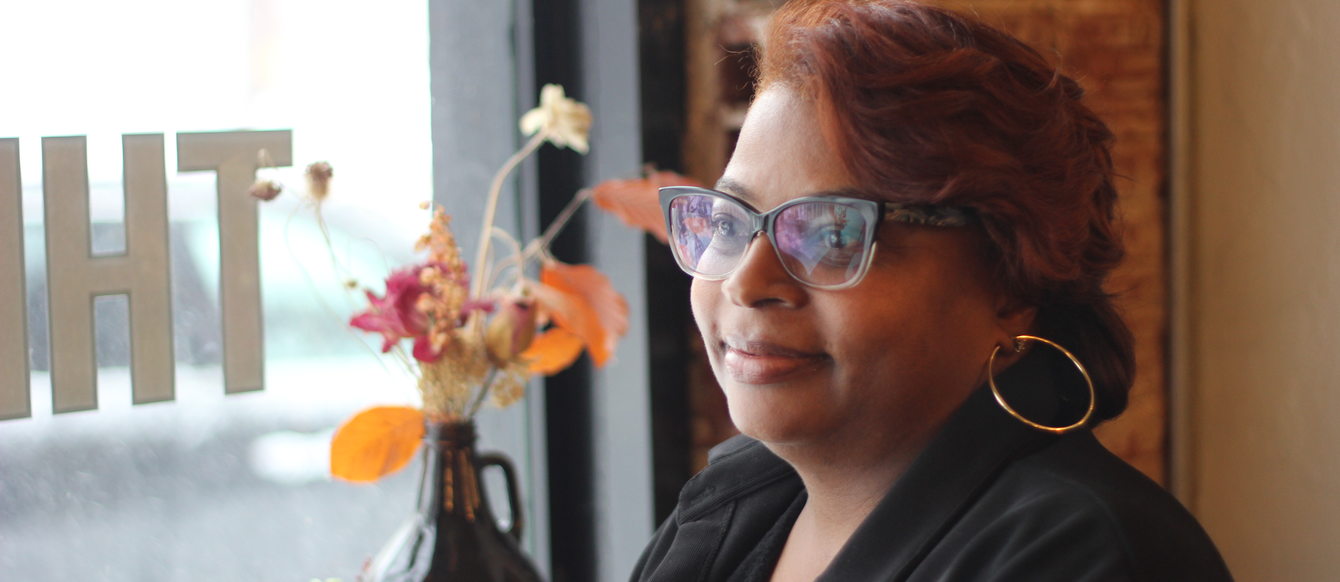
point(759, 564)
point(989, 499)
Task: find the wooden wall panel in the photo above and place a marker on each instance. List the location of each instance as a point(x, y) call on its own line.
point(1116, 49)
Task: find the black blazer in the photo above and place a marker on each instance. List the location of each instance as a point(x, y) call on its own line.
point(989, 499)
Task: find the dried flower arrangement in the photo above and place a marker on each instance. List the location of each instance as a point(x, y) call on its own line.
point(479, 335)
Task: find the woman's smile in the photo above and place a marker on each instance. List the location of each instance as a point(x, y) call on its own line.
point(749, 361)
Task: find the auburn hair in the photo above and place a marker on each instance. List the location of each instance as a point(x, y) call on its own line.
point(926, 105)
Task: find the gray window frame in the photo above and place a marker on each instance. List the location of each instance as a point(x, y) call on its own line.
point(482, 79)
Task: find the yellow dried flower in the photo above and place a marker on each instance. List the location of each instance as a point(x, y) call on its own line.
point(445, 279)
point(567, 121)
point(510, 385)
point(441, 243)
point(447, 383)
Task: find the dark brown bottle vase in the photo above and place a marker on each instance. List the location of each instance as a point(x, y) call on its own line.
point(454, 535)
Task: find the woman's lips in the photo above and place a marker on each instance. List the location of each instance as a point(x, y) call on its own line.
point(750, 362)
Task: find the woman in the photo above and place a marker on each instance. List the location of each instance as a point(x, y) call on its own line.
point(914, 200)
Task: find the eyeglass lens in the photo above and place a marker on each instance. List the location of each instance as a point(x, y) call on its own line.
point(819, 242)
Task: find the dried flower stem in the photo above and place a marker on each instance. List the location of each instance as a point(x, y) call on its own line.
point(541, 244)
point(515, 259)
point(508, 238)
point(483, 391)
point(401, 357)
point(560, 221)
point(405, 360)
point(398, 352)
point(330, 246)
point(491, 209)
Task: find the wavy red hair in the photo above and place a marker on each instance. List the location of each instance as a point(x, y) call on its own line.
point(927, 105)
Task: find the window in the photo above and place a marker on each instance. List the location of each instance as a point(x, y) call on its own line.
point(207, 486)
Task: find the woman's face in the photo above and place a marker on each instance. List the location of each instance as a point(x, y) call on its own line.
point(885, 360)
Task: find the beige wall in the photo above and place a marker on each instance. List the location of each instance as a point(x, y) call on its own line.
point(1262, 283)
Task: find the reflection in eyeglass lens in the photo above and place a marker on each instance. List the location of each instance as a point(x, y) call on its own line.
point(691, 227)
point(823, 242)
point(731, 227)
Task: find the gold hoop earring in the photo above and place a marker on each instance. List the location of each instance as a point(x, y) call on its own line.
point(1019, 343)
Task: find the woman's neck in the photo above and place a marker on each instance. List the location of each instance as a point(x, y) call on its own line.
point(844, 480)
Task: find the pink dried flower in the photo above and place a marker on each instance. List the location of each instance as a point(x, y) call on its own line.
point(396, 315)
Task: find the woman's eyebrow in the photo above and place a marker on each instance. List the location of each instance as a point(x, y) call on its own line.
point(739, 190)
point(730, 186)
point(848, 193)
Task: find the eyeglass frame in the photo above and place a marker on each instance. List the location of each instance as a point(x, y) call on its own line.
point(874, 211)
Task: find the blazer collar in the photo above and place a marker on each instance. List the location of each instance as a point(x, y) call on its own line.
point(736, 467)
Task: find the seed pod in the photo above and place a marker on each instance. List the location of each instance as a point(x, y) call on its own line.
point(265, 190)
point(511, 330)
point(318, 179)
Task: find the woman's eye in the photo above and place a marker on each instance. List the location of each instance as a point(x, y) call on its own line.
point(726, 226)
point(836, 239)
point(833, 238)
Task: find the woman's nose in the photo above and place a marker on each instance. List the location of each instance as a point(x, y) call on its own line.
point(761, 279)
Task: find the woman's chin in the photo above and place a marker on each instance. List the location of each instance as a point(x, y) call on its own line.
point(763, 418)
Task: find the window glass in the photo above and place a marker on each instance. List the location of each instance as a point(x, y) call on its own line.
point(208, 486)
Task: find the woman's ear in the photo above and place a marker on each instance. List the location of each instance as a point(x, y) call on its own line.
point(1013, 318)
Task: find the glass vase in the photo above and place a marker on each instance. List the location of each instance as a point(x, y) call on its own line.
point(454, 535)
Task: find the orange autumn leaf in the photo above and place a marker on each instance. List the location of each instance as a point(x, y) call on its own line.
point(581, 299)
point(375, 442)
point(636, 201)
point(553, 351)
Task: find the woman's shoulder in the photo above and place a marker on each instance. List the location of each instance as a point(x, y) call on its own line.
point(1072, 510)
point(722, 513)
point(1076, 472)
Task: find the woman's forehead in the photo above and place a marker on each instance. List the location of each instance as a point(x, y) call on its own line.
point(746, 193)
point(781, 154)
